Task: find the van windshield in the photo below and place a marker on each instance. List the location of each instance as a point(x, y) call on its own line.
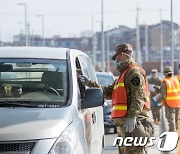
point(41, 82)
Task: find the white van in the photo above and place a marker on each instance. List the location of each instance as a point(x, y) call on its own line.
point(44, 109)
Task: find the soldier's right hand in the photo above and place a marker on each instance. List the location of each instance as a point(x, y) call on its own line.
point(130, 124)
point(84, 80)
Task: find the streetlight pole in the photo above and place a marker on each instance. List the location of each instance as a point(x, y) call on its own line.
point(172, 38)
point(102, 35)
point(178, 52)
point(42, 28)
point(0, 35)
point(25, 22)
point(161, 41)
point(146, 43)
point(28, 32)
point(108, 64)
point(32, 37)
point(108, 49)
point(137, 39)
point(93, 43)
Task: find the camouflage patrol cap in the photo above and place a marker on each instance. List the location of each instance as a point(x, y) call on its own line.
point(154, 71)
point(168, 69)
point(122, 48)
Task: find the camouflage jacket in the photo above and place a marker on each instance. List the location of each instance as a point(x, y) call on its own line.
point(156, 81)
point(163, 93)
point(135, 79)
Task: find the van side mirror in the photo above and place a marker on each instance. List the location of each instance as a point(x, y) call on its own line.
point(94, 97)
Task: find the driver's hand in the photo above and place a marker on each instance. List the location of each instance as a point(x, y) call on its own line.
point(84, 80)
point(79, 72)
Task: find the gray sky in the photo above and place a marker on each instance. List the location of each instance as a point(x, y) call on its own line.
point(70, 17)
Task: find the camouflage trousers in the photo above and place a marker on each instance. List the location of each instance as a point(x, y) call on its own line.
point(173, 117)
point(125, 149)
point(156, 112)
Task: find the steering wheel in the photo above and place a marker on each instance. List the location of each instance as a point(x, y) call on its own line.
point(53, 91)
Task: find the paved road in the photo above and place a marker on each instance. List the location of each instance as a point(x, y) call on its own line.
point(109, 149)
point(109, 138)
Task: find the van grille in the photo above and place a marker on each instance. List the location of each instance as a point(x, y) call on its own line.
point(28, 146)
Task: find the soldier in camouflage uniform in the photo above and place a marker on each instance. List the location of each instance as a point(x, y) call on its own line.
point(172, 113)
point(135, 123)
point(155, 83)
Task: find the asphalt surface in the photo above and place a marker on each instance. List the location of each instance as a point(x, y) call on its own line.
point(109, 149)
point(163, 127)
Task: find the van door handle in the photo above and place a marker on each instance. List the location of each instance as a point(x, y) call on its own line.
point(93, 117)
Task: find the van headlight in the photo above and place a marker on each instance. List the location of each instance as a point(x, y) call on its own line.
point(66, 143)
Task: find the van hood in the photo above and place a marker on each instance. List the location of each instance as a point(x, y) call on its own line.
point(31, 123)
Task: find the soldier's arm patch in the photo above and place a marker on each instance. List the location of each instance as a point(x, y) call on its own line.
point(135, 81)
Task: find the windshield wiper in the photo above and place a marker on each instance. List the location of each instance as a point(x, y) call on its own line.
point(17, 104)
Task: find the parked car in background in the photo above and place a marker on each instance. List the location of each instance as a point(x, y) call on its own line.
point(105, 79)
point(44, 109)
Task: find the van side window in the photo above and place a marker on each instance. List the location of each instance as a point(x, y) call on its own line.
point(87, 67)
point(81, 86)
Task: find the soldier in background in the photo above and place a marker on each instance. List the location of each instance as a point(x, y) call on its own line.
point(154, 88)
point(170, 92)
point(130, 102)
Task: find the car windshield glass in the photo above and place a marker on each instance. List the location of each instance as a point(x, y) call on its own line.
point(105, 80)
point(38, 81)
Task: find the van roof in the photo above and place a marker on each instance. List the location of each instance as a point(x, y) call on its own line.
point(33, 52)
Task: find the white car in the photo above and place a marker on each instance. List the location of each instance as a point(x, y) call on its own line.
point(43, 107)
